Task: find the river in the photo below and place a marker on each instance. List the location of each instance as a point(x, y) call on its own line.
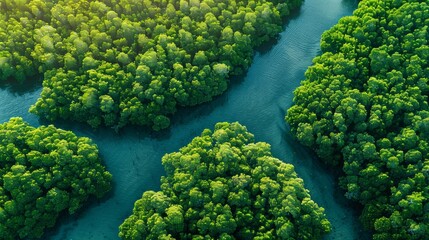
point(258, 100)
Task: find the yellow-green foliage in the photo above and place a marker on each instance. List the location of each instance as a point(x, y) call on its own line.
point(43, 172)
point(364, 106)
point(148, 56)
point(223, 185)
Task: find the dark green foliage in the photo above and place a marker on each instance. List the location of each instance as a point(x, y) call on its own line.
point(148, 57)
point(224, 186)
point(364, 106)
point(43, 172)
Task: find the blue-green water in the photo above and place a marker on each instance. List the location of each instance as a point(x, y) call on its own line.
point(258, 101)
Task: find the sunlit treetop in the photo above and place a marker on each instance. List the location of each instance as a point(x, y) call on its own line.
point(363, 106)
point(44, 172)
point(223, 185)
point(148, 57)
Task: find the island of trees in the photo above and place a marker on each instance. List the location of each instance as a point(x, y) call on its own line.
point(223, 185)
point(364, 107)
point(44, 172)
point(115, 62)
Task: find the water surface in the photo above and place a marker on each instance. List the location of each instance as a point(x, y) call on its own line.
point(259, 101)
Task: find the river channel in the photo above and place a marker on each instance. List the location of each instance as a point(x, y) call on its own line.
point(259, 101)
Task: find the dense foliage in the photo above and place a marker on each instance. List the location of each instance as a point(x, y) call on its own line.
point(224, 186)
point(364, 106)
point(115, 62)
point(44, 171)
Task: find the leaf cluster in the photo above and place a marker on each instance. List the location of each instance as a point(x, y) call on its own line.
point(43, 172)
point(223, 185)
point(123, 62)
point(364, 106)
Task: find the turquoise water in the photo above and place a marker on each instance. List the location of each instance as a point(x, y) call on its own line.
point(259, 101)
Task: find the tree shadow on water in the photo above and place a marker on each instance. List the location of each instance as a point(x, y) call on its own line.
point(186, 114)
point(350, 4)
point(268, 45)
point(66, 223)
point(21, 88)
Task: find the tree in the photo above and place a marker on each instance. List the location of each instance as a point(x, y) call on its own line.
point(223, 185)
point(87, 42)
point(45, 171)
point(363, 107)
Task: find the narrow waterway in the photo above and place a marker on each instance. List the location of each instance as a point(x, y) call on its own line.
point(259, 101)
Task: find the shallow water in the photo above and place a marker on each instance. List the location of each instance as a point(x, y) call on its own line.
point(258, 101)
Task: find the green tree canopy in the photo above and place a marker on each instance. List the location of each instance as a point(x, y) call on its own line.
point(223, 185)
point(364, 107)
point(110, 46)
point(43, 172)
